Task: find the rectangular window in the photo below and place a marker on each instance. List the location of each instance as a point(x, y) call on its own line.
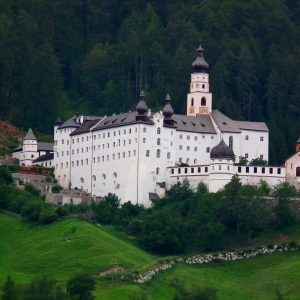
point(199, 170)
point(239, 169)
point(192, 170)
point(144, 140)
point(188, 148)
point(147, 153)
point(180, 147)
point(185, 170)
point(172, 171)
point(195, 149)
point(255, 170)
point(179, 170)
point(271, 170)
point(168, 155)
point(247, 169)
point(263, 170)
point(278, 171)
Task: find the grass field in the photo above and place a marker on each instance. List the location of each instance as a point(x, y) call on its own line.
point(71, 246)
point(61, 250)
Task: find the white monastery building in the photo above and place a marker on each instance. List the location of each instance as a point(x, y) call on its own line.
point(32, 152)
point(138, 155)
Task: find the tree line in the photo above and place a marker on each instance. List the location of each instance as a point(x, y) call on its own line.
point(58, 57)
point(184, 221)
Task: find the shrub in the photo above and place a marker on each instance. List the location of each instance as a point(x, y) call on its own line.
point(47, 215)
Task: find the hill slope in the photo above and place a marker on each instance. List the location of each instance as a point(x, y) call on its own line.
point(71, 246)
point(61, 249)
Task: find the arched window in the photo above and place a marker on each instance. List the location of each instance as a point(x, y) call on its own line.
point(158, 141)
point(115, 175)
point(203, 102)
point(158, 130)
point(203, 86)
point(94, 177)
point(231, 142)
point(298, 171)
point(192, 102)
point(103, 176)
point(157, 171)
point(207, 149)
point(81, 180)
point(195, 161)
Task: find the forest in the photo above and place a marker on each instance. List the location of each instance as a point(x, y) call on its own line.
point(93, 56)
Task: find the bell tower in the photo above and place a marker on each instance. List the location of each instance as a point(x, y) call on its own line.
point(199, 99)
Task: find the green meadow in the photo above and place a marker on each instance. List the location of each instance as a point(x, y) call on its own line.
point(72, 246)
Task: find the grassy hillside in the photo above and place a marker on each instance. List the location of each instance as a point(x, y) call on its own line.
point(62, 249)
point(253, 279)
point(65, 248)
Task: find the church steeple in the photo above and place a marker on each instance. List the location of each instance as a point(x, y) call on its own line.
point(199, 99)
point(200, 65)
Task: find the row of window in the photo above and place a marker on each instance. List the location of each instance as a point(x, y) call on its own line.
point(192, 170)
point(195, 148)
point(188, 137)
point(261, 138)
point(263, 170)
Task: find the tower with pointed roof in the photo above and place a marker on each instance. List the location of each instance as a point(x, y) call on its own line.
point(199, 99)
point(30, 149)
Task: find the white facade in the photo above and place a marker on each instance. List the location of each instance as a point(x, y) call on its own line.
point(292, 166)
point(220, 172)
point(131, 154)
point(31, 150)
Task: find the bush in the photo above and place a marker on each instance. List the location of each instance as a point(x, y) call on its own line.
point(62, 211)
point(81, 286)
point(47, 215)
point(5, 176)
point(32, 210)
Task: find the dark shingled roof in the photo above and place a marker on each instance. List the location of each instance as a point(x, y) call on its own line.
point(45, 146)
point(85, 126)
point(123, 119)
point(222, 150)
point(226, 124)
point(200, 124)
point(72, 123)
point(48, 156)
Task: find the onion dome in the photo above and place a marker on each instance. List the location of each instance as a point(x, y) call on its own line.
point(199, 64)
point(141, 107)
point(222, 150)
point(58, 122)
point(168, 111)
